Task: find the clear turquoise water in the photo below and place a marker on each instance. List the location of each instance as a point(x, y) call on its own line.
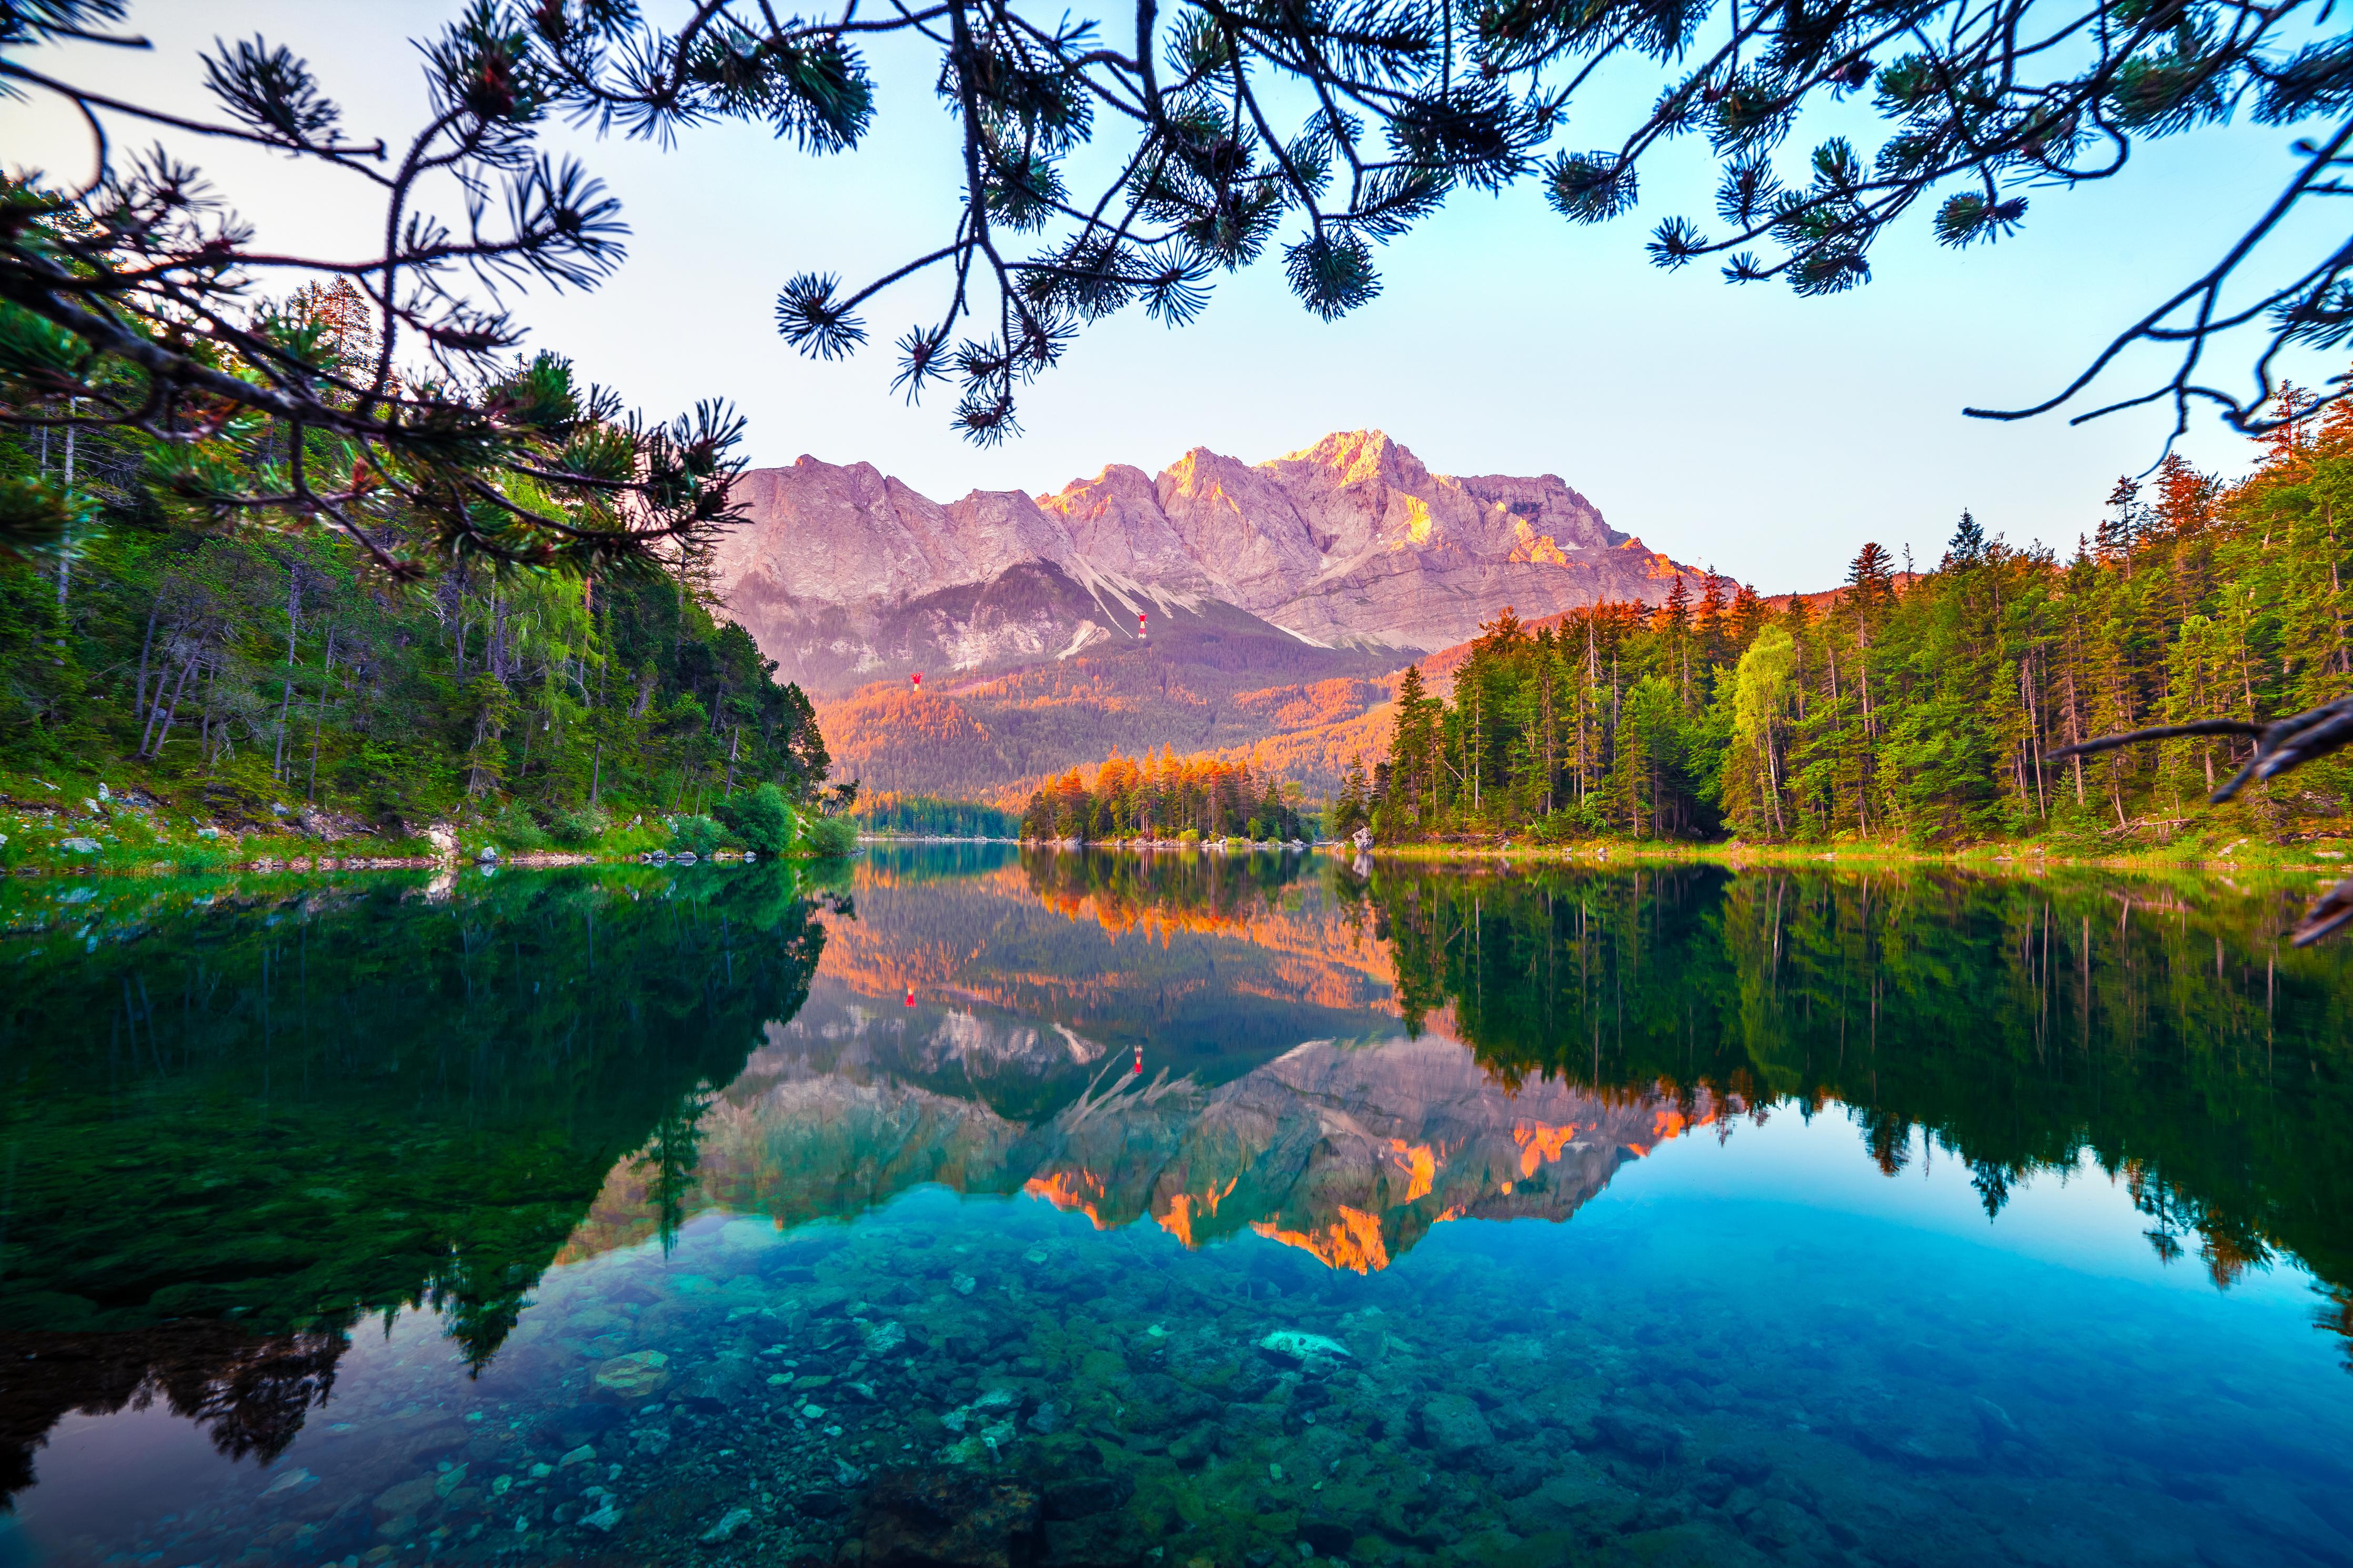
point(839, 1223)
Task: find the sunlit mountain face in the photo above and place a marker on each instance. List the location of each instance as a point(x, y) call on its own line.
point(1089, 1207)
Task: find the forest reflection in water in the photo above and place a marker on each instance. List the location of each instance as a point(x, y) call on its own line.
point(416, 1101)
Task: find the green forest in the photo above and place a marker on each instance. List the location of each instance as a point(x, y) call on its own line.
point(1920, 708)
point(928, 816)
point(274, 676)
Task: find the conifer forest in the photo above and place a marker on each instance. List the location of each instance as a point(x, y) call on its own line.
point(1915, 707)
point(1923, 708)
point(260, 674)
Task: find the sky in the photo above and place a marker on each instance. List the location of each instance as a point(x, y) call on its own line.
point(1739, 428)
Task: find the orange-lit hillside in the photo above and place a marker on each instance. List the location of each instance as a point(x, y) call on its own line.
point(992, 735)
point(1290, 708)
point(894, 738)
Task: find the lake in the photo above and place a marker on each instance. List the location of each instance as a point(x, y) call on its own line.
point(973, 1206)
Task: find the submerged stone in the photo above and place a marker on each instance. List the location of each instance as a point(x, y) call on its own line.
point(1299, 1349)
point(881, 1339)
point(733, 1520)
point(1326, 1536)
point(1084, 1495)
point(1639, 1436)
point(1926, 1436)
point(1453, 1426)
point(404, 1499)
point(948, 1519)
point(640, 1374)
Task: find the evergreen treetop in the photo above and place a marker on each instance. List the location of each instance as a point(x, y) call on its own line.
point(1234, 134)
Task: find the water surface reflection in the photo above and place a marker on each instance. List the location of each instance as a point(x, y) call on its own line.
point(1088, 1209)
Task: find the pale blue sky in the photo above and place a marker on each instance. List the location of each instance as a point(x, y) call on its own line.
point(1747, 429)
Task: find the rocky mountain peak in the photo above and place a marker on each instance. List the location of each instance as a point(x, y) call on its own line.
point(1361, 456)
point(1351, 541)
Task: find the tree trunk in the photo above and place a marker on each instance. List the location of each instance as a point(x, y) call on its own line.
point(157, 749)
point(318, 715)
point(294, 637)
point(65, 556)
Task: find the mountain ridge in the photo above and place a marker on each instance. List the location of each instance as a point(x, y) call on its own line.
point(1197, 607)
point(845, 574)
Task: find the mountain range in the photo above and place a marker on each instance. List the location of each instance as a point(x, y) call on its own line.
point(1217, 605)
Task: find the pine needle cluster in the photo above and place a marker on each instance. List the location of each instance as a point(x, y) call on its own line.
point(1102, 168)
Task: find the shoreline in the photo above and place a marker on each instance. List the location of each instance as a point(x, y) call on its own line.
point(2029, 861)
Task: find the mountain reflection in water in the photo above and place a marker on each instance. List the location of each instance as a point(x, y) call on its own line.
point(495, 1104)
point(2029, 1023)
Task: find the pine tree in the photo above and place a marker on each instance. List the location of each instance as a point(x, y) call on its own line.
point(2119, 530)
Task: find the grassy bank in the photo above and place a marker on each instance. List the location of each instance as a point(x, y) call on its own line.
point(63, 821)
point(2270, 864)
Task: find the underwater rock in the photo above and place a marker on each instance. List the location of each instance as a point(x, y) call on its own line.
point(1516, 1472)
point(1745, 1466)
point(1923, 1435)
point(640, 1374)
point(1996, 1424)
point(1293, 1348)
point(1695, 1545)
point(733, 1520)
point(495, 1445)
point(1327, 1536)
point(1784, 1528)
point(1637, 1437)
point(1452, 1425)
point(1576, 1494)
point(949, 1518)
point(293, 1480)
point(821, 1301)
point(1099, 1541)
point(881, 1339)
point(1084, 1495)
point(1159, 1402)
point(405, 1499)
point(1196, 1447)
point(1511, 1420)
